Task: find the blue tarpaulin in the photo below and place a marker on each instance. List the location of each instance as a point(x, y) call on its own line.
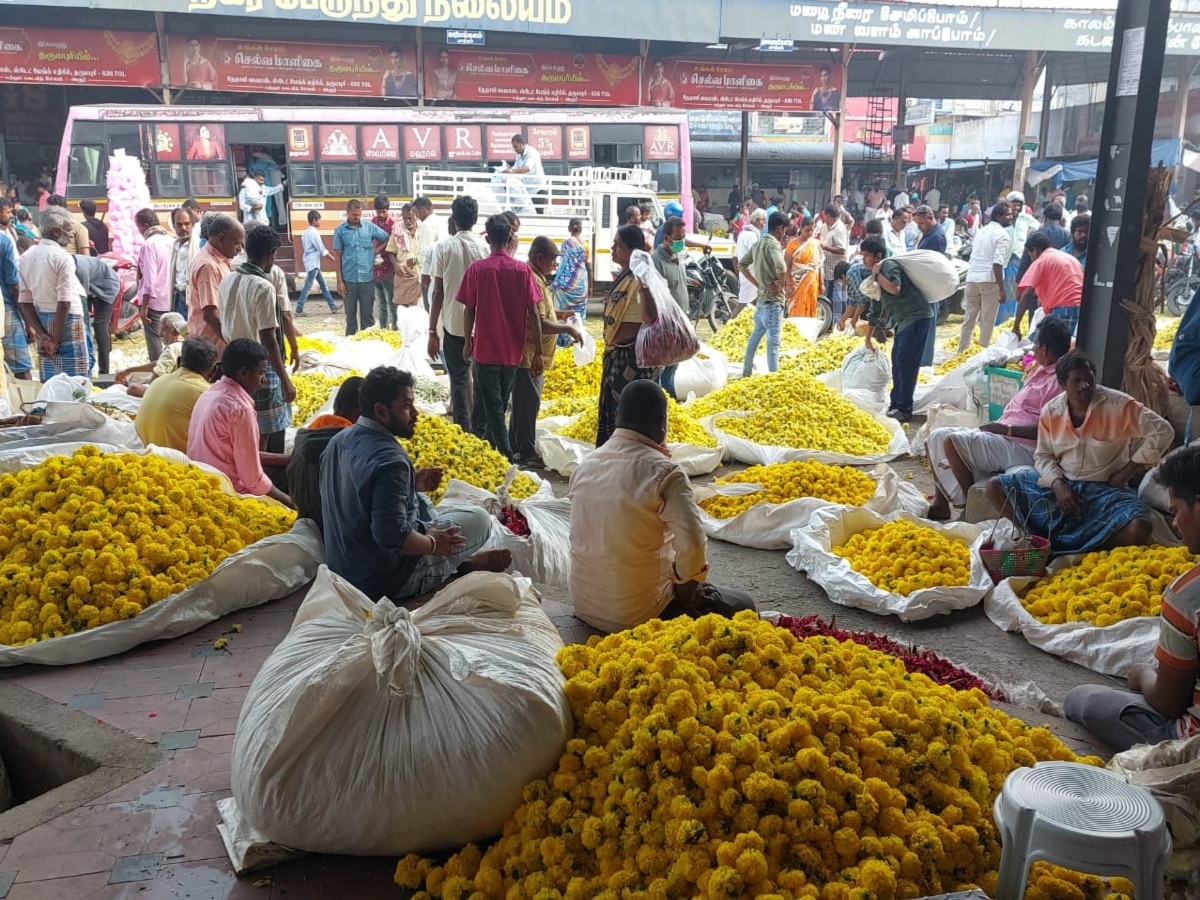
point(1165, 152)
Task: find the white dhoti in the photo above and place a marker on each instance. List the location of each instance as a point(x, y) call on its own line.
point(747, 292)
point(983, 453)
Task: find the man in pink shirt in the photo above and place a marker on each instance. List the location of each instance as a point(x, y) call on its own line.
point(501, 297)
point(960, 457)
point(208, 269)
point(154, 271)
point(223, 432)
point(1054, 278)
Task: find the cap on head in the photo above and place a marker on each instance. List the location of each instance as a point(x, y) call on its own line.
point(1015, 196)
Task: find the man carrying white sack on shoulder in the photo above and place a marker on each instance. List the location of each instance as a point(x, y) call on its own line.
point(960, 457)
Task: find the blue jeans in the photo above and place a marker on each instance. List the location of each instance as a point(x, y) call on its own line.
point(667, 380)
point(383, 301)
point(493, 390)
point(314, 275)
point(931, 340)
point(178, 303)
point(432, 572)
point(359, 299)
point(768, 320)
point(907, 348)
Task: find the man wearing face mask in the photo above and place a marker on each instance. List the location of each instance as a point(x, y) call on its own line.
point(668, 260)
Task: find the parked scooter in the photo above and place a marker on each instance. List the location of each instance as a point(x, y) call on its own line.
point(709, 296)
point(125, 312)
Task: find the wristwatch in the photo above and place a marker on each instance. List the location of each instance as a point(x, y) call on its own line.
point(1009, 430)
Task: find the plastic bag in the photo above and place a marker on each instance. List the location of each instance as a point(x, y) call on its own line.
point(71, 423)
point(585, 353)
point(941, 415)
point(670, 339)
point(543, 555)
point(769, 526)
point(866, 375)
point(1109, 651)
point(65, 388)
point(812, 552)
point(375, 731)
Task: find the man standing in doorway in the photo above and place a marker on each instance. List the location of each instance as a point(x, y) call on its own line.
point(354, 260)
point(985, 278)
point(384, 272)
point(501, 297)
point(252, 198)
point(431, 232)
point(154, 267)
point(449, 262)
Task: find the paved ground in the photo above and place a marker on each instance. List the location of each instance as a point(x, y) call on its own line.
point(156, 837)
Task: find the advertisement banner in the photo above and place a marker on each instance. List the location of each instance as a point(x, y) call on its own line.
point(579, 142)
point(287, 67)
point(692, 84)
point(661, 143)
point(499, 141)
point(337, 142)
point(573, 79)
point(300, 143)
point(546, 140)
point(381, 143)
point(167, 146)
point(204, 141)
point(464, 142)
point(67, 56)
point(422, 142)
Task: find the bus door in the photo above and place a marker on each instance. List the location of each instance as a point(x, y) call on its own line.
point(271, 160)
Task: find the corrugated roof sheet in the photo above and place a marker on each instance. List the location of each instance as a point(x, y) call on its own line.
point(800, 152)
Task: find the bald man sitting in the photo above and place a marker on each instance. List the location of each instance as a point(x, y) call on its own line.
point(638, 548)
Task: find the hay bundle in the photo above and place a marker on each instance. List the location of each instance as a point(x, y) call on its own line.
point(1144, 380)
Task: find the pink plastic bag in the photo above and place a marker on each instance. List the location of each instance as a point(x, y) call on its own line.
point(670, 339)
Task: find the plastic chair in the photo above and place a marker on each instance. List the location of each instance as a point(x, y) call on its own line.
point(1083, 818)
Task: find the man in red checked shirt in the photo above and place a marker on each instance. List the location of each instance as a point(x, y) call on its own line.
point(501, 297)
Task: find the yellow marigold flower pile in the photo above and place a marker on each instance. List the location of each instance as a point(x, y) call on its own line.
point(824, 356)
point(1108, 586)
point(380, 334)
point(789, 481)
point(726, 758)
point(953, 363)
point(312, 390)
point(1164, 336)
point(901, 557)
point(681, 427)
point(788, 409)
point(567, 406)
point(439, 443)
point(317, 345)
point(95, 538)
point(731, 340)
point(565, 379)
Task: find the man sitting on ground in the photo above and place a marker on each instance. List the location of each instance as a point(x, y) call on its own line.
point(304, 471)
point(1161, 703)
point(374, 537)
point(961, 456)
point(224, 428)
point(166, 409)
point(173, 329)
point(1092, 443)
point(637, 543)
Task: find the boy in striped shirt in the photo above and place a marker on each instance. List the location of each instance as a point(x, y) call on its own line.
point(1163, 700)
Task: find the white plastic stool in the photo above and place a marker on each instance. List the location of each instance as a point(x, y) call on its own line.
point(1083, 818)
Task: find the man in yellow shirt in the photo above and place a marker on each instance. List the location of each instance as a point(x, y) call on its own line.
point(166, 408)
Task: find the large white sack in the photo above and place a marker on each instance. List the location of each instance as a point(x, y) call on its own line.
point(864, 377)
point(375, 731)
point(563, 455)
point(953, 388)
point(769, 526)
point(812, 552)
point(545, 554)
point(264, 571)
point(943, 416)
point(704, 373)
point(71, 422)
point(932, 273)
point(746, 451)
point(1109, 651)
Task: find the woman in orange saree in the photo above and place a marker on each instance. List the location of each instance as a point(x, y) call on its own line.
point(803, 257)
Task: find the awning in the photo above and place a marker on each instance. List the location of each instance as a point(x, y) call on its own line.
point(784, 152)
point(957, 165)
point(1166, 152)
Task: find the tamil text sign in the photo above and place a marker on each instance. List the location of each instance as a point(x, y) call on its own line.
point(578, 79)
point(697, 84)
point(69, 56)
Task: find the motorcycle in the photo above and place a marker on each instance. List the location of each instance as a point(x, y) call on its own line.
point(1181, 282)
point(961, 262)
point(709, 296)
point(125, 312)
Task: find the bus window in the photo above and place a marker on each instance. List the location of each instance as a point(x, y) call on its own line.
point(302, 179)
point(125, 136)
point(210, 179)
point(83, 167)
point(340, 180)
point(617, 154)
point(168, 180)
point(383, 178)
point(668, 177)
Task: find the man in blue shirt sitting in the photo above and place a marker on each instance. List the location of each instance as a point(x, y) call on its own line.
point(354, 260)
point(375, 535)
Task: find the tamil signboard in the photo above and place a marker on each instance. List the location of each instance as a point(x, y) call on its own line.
point(538, 77)
point(710, 84)
point(289, 67)
point(947, 24)
point(69, 56)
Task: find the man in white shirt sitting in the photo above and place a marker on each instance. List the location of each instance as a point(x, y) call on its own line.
point(528, 166)
point(638, 547)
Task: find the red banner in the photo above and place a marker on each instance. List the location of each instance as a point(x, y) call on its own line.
point(661, 143)
point(499, 141)
point(167, 145)
point(576, 79)
point(381, 143)
point(252, 66)
point(579, 142)
point(300, 143)
point(464, 142)
point(690, 84)
point(67, 56)
point(337, 142)
point(546, 140)
point(422, 142)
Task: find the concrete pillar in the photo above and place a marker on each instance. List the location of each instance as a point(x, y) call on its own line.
point(745, 154)
point(1029, 76)
point(1047, 103)
point(839, 131)
point(1187, 66)
point(163, 67)
point(901, 113)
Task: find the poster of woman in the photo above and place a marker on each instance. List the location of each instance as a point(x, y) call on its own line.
point(659, 90)
point(827, 97)
point(204, 141)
